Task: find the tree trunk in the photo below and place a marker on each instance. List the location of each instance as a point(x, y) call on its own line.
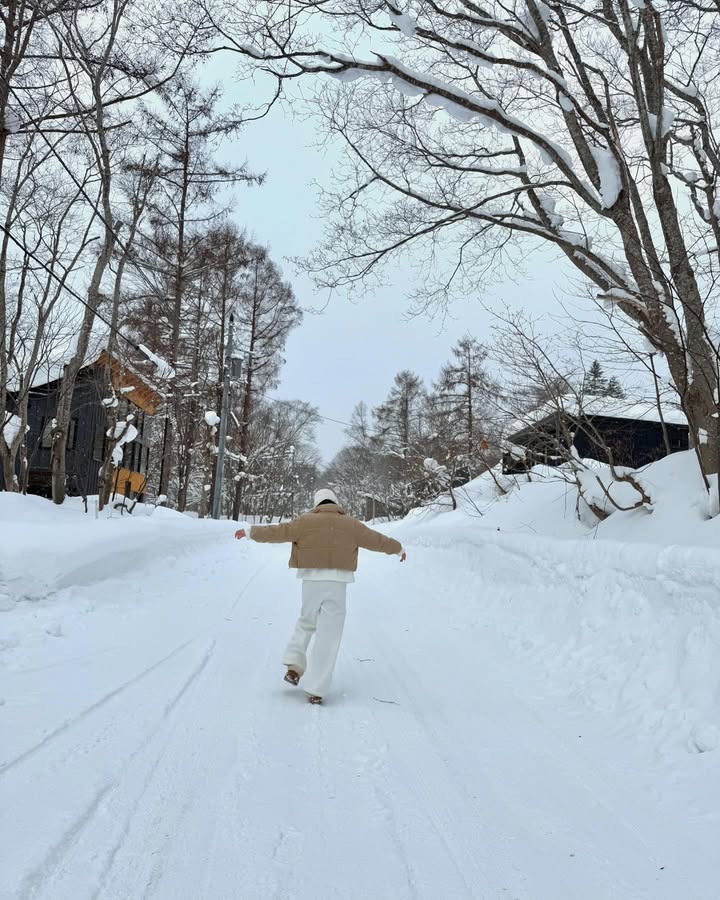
point(179, 285)
point(187, 464)
point(658, 402)
point(105, 479)
point(72, 369)
point(702, 413)
point(8, 469)
point(166, 454)
point(24, 467)
point(244, 441)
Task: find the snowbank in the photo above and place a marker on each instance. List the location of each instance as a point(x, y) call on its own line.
point(626, 611)
point(545, 504)
point(46, 548)
point(635, 628)
point(546, 678)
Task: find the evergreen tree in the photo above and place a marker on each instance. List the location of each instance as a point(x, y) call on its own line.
point(614, 389)
point(595, 384)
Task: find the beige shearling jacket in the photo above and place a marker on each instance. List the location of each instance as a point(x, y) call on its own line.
point(325, 538)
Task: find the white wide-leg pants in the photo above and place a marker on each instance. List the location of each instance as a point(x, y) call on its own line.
point(323, 615)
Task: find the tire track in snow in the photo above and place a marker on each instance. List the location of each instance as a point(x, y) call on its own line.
point(36, 880)
point(157, 871)
point(256, 574)
point(440, 813)
point(98, 704)
point(463, 857)
point(560, 760)
point(31, 670)
point(190, 744)
point(380, 788)
point(148, 780)
point(7, 765)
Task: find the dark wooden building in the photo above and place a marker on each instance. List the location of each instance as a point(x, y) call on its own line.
point(631, 433)
point(375, 508)
point(86, 442)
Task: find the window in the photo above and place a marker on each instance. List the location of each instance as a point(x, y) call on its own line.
point(47, 433)
point(100, 442)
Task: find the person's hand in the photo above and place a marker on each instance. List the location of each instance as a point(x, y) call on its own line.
point(240, 534)
point(403, 556)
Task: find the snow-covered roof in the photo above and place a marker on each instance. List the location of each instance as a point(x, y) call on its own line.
point(607, 407)
point(127, 378)
point(52, 369)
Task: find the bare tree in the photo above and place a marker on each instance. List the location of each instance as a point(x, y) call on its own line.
point(137, 187)
point(107, 67)
point(480, 130)
point(267, 312)
point(189, 178)
point(545, 396)
point(32, 218)
point(281, 469)
point(463, 405)
point(42, 246)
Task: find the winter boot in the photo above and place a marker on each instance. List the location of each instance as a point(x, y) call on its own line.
point(314, 699)
point(292, 677)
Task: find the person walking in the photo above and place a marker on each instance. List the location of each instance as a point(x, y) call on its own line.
point(325, 545)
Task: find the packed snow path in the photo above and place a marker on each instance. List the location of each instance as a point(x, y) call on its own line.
point(157, 753)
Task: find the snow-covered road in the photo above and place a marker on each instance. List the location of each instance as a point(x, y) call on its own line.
point(152, 749)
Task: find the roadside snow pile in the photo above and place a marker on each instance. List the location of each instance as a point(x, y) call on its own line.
point(627, 611)
point(634, 628)
point(546, 503)
point(46, 548)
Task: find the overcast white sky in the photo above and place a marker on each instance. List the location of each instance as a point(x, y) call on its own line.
point(351, 351)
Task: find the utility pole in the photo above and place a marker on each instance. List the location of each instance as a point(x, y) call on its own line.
point(220, 460)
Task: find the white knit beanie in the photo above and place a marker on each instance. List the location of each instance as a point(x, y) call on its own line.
point(325, 494)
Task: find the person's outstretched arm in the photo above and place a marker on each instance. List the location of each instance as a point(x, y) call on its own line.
point(377, 542)
point(270, 534)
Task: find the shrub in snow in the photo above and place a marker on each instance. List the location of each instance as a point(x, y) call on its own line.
point(604, 490)
point(433, 468)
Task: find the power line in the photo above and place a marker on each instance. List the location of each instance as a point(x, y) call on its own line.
point(73, 293)
point(117, 240)
point(75, 181)
point(328, 419)
point(84, 193)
